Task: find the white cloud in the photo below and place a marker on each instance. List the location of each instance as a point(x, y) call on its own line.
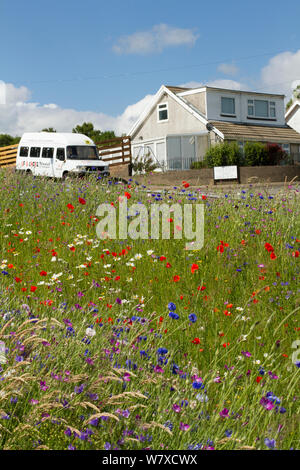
point(228, 69)
point(282, 73)
point(17, 117)
point(158, 38)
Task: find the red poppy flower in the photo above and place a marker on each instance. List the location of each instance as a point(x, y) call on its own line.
point(81, 200)
point(128, 195)
point(272, 255)
point(33, 288)
point(176, 278)
point(194, 267)
point(269, 247)
point(196, 341)
point(43, 273)
point(296, 254)
point(70, 207)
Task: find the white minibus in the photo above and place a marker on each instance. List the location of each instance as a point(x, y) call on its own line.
point(59, 155)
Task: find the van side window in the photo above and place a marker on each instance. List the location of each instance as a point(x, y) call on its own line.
point(47, 152)
point(60, 154)
point(35, 152)
point(24, 151)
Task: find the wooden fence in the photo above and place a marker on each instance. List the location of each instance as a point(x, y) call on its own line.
point(8, 155)
point(115, 152)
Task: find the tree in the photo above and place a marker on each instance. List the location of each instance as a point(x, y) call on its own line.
point(87, 128)
point(49, 129)
point(6, 140)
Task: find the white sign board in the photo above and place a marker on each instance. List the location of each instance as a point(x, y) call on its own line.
point(225, 172)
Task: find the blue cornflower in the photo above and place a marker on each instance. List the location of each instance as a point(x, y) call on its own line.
point(193, 318)
point(271, 443)
point(171, 306)
point(173, 315)
point(162, 351)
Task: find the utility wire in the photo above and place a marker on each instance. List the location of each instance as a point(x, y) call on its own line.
point(145, 72)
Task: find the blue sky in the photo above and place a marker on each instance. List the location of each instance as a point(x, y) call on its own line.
point(98, 59)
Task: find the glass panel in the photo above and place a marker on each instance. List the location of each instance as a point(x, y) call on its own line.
point(35, 152)
point(227, 105)
point(47, 152)
point(82, 152)
point(60, 153)
point(272, 112)
point(250, 110)
point(261, 108)
point(24, 151)
point(163, 115)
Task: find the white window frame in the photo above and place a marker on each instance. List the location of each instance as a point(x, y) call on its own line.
point(165, 108)
point(271, 106)
point(228, 114)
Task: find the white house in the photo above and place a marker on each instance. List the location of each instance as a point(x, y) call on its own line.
point(180, 124)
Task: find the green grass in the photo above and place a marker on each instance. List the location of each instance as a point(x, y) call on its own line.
point(56, 379)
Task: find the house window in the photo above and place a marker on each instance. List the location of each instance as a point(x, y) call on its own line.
point(227, 106)
point(285, 148)
point(263, 109)
point(162, 111)
point(241, 146)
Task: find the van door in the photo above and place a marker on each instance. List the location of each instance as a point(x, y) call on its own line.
point(59, 162)
point(46, 162)
point(34, 158)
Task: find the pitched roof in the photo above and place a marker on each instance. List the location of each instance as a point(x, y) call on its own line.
point(245, 132)
point(181, 101)
point(292, 109)
point(177, 89)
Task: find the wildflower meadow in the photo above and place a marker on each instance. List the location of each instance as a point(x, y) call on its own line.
point(133, 344)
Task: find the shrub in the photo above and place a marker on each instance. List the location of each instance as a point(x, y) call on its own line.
point(275, 154)
point(255, 154)
point(198, 165)
point(223, 154)
point(144, 164)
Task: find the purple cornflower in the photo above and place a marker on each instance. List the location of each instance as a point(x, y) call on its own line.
point(224, 413)
point(184, 427)
point(79, 389)
point(271, 443)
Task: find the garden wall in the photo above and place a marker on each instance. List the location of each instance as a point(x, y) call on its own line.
point(204, 176)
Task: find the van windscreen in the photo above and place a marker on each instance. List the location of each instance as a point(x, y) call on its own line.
point(82, 152)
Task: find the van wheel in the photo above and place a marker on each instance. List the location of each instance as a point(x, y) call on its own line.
point(28, 172)
point(66, 176)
